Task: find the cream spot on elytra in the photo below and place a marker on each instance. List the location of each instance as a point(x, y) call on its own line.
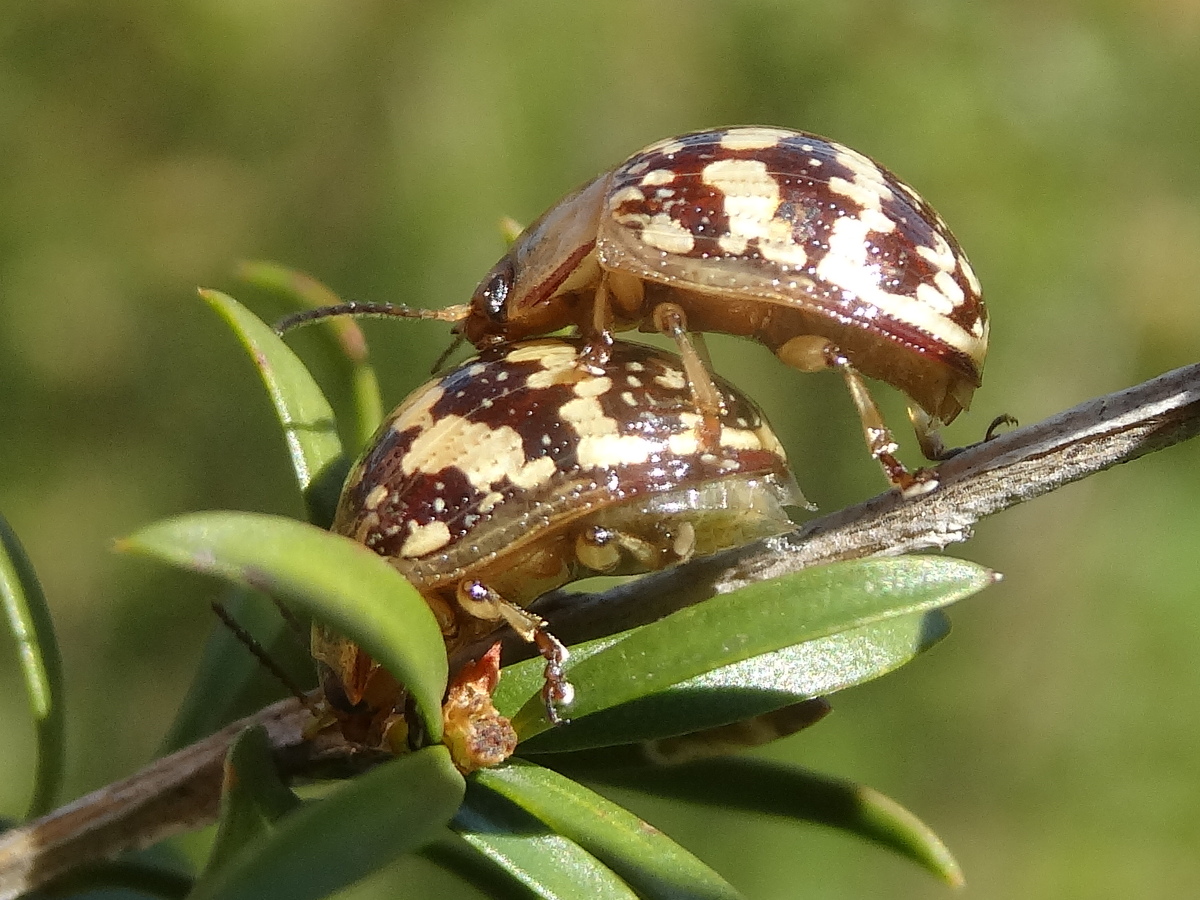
point(593, 387)
point(753, 138)
point(671, 379)
point(484, 454)
point(424, 539)
point(657, 177)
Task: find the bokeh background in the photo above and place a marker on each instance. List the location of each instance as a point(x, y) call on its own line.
point(145, 148)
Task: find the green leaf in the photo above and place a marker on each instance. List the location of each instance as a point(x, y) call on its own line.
point(253, 797)
point(760, 786)
point(648, 861)
point(475, 866)
point(341, 337)
point(751, 687)
point(228, 676)
point(32, 628)
point(307, 419)
point(530, 854)
point(758, 619)
point(329, 577)
point(328, 844)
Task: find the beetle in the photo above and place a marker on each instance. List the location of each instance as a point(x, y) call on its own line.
point(521, 470)
point(788, 238)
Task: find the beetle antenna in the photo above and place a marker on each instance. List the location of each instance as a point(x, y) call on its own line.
point(259, 652)
point(293, 623)
point(362, 310)
point(441, 360)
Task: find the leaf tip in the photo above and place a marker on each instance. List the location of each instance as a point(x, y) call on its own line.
point(209, 296)
point(949, 871)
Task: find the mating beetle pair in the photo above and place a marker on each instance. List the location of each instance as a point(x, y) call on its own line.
point(484, 489)
point(796, 241)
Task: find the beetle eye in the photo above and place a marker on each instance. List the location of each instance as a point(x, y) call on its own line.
point(494, 292)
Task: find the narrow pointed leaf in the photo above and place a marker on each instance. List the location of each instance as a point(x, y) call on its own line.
point(649, 861)
point(32, 628)
point(328, 844)
point(758, 619)
point(343, 339)
point(327, 576)
point(226, 670)
point(530, 854)
point(760, 786)
point(253, 797)
point(753, 686)
point(307, 419)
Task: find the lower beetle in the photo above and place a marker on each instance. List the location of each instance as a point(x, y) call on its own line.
point(522, 470)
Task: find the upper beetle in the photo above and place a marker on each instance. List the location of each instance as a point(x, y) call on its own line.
point(794, 240)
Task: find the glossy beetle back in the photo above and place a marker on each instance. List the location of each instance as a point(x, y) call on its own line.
point(802, 224)
point(762, 232)
point(480, 466)
point(519, 471)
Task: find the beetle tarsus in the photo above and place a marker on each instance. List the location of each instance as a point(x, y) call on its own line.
point(557, 691)
point(1000, 420)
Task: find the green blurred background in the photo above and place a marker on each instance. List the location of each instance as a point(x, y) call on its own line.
point(145, 148)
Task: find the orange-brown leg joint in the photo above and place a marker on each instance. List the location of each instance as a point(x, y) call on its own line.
point(669, 319)
point(598, 350)
point(812, 353)
point(481, 601)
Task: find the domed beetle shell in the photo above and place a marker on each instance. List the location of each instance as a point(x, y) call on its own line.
point(522, 470)
point(785, 237)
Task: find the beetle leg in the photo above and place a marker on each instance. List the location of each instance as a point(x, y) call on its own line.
point(627, 296)
point(445, 355)
point(669, 319)
point(481, 601)
point(1000, 420)
point(811, 353)
point(931, 441)
point(602, 549)
point(596, 353)
point(880, 442)
point(597, 548)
